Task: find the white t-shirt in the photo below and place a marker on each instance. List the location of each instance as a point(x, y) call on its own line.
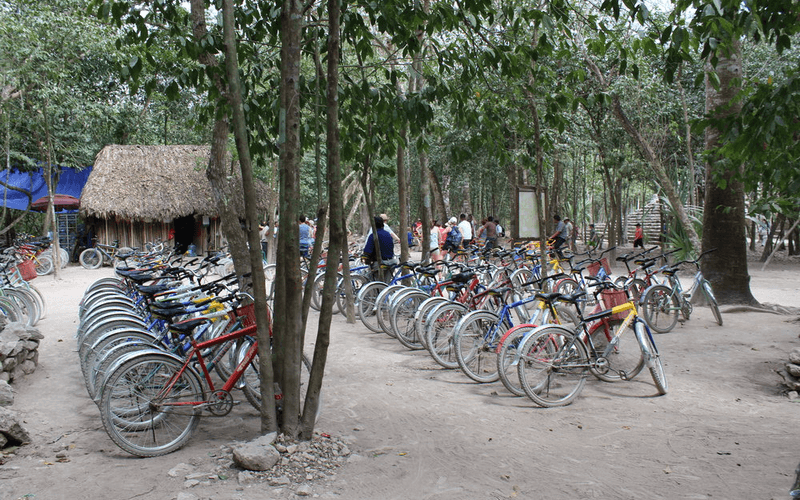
point(466, 229)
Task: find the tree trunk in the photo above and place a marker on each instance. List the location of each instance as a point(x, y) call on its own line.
point(724, 214)
point(217, 174)
point(268, 414)
point(288, 294)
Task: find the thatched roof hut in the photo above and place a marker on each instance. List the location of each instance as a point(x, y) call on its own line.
point(141, 194)
point(155, 183)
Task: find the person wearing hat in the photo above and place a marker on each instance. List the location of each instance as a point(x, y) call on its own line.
point(452, 236)
point(638, 237)
point(385, 219)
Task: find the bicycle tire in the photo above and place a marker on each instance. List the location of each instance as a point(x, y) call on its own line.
point(252, 380)
point(91, 258)
point(9, 310)
point(712, 302)
point(39, 299)
point(25, 304)
point(130, 412)
point(660, 308)
point(508, 358)
point(356, 281)
point(474, 352)
point(421, 313)
point(383, 307)
point(403, 319)
point(44, 265)
point(316, 291)
point(553, 366)
point(623, 361)
point(439, 327)
point(96, 361)
point(269, 278)
point(367, 301)
point(653, 358)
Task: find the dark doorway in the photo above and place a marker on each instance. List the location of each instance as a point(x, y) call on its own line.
point(184, 233)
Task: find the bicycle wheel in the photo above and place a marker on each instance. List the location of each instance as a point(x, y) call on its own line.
point(39, 299)
point(269, 277)
point(474, 343)
point(91, 258)
point(508, 358)
point(660, 308)
point(137, 417)
point(712, 302)
point(44, 265)
point(403, 319)
point(383, 307)
point(25, 303)
point(553, 366)
point(367, 299)
point(356, 281)
point(9, 310)
point(421, 313)
point(439, 327)
point(652, 357)
point(618, 358)
point(316, 290)
point(252, 380)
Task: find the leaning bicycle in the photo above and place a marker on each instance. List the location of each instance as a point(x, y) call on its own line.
point(662, 303)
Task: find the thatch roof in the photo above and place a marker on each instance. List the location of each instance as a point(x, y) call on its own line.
point(155, 183)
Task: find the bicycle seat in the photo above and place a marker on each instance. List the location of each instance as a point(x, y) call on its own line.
point(547, 297)
point(463, 277)
point(573, 297)
point(186, 326)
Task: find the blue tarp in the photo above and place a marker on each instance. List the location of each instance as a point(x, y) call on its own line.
point(71, 183)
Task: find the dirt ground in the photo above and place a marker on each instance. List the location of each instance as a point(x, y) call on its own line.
point(725, 430)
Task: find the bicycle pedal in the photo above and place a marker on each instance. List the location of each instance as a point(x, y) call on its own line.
point(623, 375)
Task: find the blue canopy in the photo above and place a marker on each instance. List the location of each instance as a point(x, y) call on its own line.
point(70, 182)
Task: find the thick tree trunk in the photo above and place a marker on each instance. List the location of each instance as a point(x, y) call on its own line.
point(724, 214)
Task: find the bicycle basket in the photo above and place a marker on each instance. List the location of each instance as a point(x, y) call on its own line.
point(594, 267)
point(611, 298)
point(248, 314)
point(27, 270)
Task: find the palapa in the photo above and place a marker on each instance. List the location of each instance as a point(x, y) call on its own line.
point(156, 183)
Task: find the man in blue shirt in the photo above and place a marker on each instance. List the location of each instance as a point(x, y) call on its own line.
point(306, 238)
point(384, 240)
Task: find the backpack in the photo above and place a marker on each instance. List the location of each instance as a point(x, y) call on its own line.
point(453, 237)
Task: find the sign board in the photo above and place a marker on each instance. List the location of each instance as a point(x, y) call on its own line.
point(528, 212)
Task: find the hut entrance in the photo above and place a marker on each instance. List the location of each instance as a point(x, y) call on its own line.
point(184, 233)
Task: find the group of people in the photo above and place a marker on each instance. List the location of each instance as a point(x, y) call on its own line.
point(444, 239)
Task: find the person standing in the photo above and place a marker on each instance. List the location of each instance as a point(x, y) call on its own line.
point(638, 237)
point(306, 240)
point(559, 236)
point(434, 244)
point(569, 232)
point(465, 227)
point(489, 231)
point(264, 232)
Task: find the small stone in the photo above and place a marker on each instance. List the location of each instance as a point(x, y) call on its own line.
point(180, 470)
point(794, 370)
point(256, 455)
point(794, 356)
point(291, 449)
point(6, 394)
point(245, 477)
point(183, 495)
point(190, 483)
point(61, 455)
point(793, 395)
point(280, 481)
point(303, 490)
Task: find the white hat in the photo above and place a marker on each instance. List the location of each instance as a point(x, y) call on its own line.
point(453, 221)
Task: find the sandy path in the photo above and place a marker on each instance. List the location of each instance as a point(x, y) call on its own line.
point(723, 431)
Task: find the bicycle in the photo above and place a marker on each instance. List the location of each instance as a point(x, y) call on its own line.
point(95, 257)
point(555, 361)
point(661, 303)
point(151, 401)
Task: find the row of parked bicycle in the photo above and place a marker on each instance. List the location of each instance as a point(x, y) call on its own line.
point(161, 343)
point(541, 336)
point(20, 301)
